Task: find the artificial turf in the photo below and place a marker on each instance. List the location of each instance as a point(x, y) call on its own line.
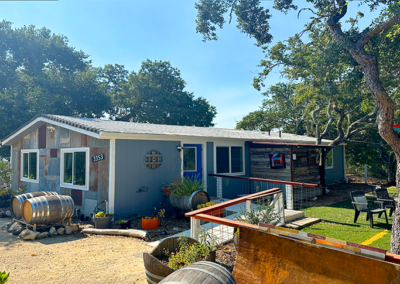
point(337, 222)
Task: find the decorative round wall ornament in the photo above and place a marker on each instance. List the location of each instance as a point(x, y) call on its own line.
point(153, 159)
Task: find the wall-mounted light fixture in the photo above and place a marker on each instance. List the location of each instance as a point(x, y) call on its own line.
point(179, 148)
point(51, 128)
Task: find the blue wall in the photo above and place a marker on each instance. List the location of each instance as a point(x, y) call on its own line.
point(131, 174)
point(336, 174)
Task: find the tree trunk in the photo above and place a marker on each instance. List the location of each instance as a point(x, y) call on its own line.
point(391, 170)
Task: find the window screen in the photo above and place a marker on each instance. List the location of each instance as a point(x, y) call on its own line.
point(237, 159)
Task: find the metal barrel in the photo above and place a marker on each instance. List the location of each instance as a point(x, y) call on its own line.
point(47, 209)
point(189, 203)
point(203, 271)
point(16, 201)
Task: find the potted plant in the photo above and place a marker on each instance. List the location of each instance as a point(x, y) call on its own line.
point(150, 222)
point(124, 224)
point(102, 220)
point(187, 193)
point(177, 252)
point(217, 212)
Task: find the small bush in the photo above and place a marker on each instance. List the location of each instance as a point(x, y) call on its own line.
point(4, 277)
point(185, 187)
point(262, 212)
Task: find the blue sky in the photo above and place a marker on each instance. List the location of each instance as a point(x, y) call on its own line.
point(128, 32)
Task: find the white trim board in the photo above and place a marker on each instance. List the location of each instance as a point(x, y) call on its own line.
point(87, 177)
point(49, 121)
point(22, 178)
point(111, 178)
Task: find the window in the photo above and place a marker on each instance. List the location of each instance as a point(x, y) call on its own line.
point(75, 168)
point(189, 159)
point(229, 159)
point(29, 165)
point(329, 159)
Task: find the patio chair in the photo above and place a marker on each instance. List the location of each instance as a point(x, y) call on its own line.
point(360, 204)
point(385, 201)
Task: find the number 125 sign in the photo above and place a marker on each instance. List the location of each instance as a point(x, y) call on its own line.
point(98, 158)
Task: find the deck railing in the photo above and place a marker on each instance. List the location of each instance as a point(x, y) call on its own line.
point(214, 214)
point(297, 195)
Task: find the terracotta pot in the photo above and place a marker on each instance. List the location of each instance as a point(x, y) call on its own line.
point(149, 224)
point(166, 191)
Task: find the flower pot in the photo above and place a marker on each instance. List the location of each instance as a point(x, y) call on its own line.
point(157, 270)
point(166, 191)
point(149, 224)
point(125, 225)
point(102, 222)
point(189, 203)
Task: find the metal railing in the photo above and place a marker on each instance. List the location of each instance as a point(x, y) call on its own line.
point(220, 225)
point(297, 195)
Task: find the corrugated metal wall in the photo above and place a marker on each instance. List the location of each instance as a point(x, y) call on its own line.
point(138, 188)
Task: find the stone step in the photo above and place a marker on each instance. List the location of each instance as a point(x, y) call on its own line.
point(291, 215)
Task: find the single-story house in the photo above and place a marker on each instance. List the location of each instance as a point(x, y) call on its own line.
point(127, 164)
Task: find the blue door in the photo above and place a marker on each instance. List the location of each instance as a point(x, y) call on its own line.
point(192, 165)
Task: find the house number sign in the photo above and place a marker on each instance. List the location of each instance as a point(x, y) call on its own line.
point(98, 158)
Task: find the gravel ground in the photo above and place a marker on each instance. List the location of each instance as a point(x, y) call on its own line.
point(226, 256)
point(72, 259)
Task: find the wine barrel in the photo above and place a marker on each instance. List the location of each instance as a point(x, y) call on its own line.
point(189, 203)
point(47, 209)
point(155, 269)
point(16, 202)
point(203, 271)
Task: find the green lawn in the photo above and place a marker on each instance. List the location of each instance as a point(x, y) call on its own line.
point(337, 222)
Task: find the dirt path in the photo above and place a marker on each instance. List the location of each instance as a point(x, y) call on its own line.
point(72, 259)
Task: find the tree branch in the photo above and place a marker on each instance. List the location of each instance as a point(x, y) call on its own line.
point(361, 120)
point(371, 33)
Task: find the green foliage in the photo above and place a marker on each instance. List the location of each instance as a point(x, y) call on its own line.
point(185, 186)
point(156, 94)
point(122, 222)
point(262, 212)
point(4, 277)
point(41, 73)
point(5, 181)
point(190, 253)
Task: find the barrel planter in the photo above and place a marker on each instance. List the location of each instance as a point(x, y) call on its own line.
point(155, 269)
point(16, 201)
point(47, 209)
point(203, 271)
point(189, 203)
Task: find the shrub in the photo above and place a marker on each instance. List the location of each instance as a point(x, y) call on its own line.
point(191, 253)
point(262, 212)
point(122, 222)
point(185, 187)
point(4, 277)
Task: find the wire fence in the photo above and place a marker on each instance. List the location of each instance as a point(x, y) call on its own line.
point(297, 196)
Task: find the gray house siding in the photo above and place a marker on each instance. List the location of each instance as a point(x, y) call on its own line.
point(337, 173)
point(138, 188)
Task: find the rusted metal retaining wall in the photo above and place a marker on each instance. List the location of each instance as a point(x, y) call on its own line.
point(268, 258)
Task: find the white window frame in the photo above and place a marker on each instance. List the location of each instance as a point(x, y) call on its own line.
point(22, 165)
point(331, 167)
point(71, 185)
point(229, 145)
point(195, 158)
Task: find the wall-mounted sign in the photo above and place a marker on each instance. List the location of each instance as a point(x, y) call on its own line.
point(277, 161)
point(143, 189)
point(153, 159)
point(98, 158)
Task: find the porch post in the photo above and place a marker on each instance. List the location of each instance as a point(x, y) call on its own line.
point(219, 187)
point(248, 206)
point(194, 227)
point(289, 197)
point(279, 208)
